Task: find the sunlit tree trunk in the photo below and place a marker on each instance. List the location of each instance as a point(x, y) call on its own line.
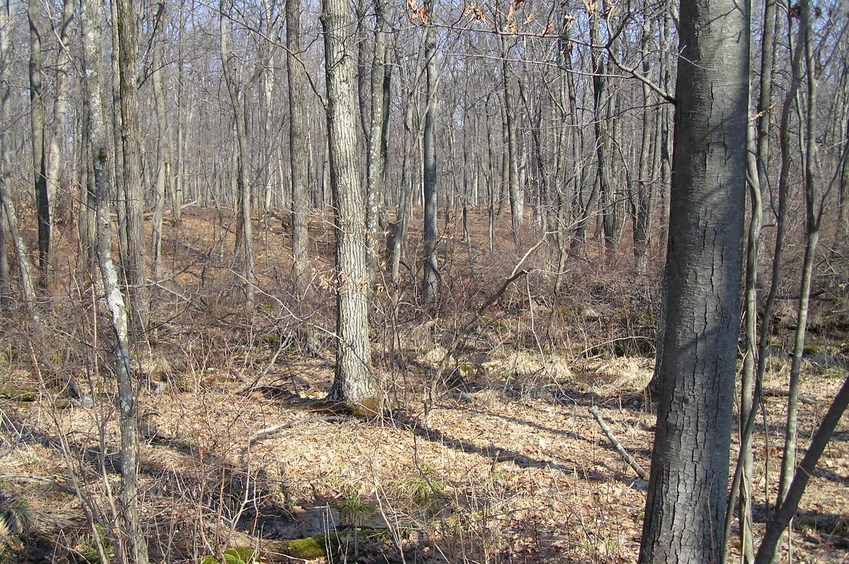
point(514, 190)
point(375, 161)
point(353, 382)
point(54, 155)
point(131, 544)
point(163, 156)
point(135, 267)
point(758, 155)
point(686, 499)
point(297, 146)
point(244, 235)
point(813, 217)
point(431, 235)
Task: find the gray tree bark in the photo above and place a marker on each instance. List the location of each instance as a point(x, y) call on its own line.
point(163, 156)
point(135, 266)
point(297, 146)
point(37, 128)
point(8, 212)
point(686, 500)
point(244, 232)
point(353, 383)
point(516, 194)
point(431, 235)
point(131, 543)
point(375, 160)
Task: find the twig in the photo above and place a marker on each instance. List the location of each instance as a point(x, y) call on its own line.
point(619, 448)
point(517, 273)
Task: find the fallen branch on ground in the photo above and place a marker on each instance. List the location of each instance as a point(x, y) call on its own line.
point(618, 446)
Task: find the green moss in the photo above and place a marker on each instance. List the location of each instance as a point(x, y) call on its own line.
point(309, 548)
point(18, 393)
point(312, 548)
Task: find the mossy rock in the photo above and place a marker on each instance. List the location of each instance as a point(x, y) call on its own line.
point(18, 393)
point(318, 546)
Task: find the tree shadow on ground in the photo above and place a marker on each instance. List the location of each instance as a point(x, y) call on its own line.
point(497, 454)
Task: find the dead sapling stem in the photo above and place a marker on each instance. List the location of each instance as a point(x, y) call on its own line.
point(618, 446)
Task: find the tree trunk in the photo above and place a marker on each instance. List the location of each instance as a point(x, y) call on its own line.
point(812, 226)
point(54, 134)
point(646, 190)
point(758, 155)
point(297, 145)
point(163, 156)
point(375, 160)
point(601, 106)
point(686, 499)
point(431, 235)
point(244, 234)
point(8, 214)
point(37, 128)
point(131, 543)
point(517, 196)
point(402, 217)
point(135, 267)
point(353, 383)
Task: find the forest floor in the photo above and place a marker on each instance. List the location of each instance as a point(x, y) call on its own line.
point(491, 456)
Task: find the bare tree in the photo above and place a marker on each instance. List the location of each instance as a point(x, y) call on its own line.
point(354, 382)
point(431, 235)
point(238, 102)
point(135, 265)
point(37, 128)
point(130, 543)
point(297, 144)
point(686, 499)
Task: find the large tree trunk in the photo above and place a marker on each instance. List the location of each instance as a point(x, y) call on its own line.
point(131, 545)
point(686, 500)
point(354, 382)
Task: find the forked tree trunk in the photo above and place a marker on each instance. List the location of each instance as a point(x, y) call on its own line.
point(131, 544)
point(686, 500)
point(353, 382)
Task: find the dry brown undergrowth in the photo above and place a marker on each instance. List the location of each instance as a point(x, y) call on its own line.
point(500, 462)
